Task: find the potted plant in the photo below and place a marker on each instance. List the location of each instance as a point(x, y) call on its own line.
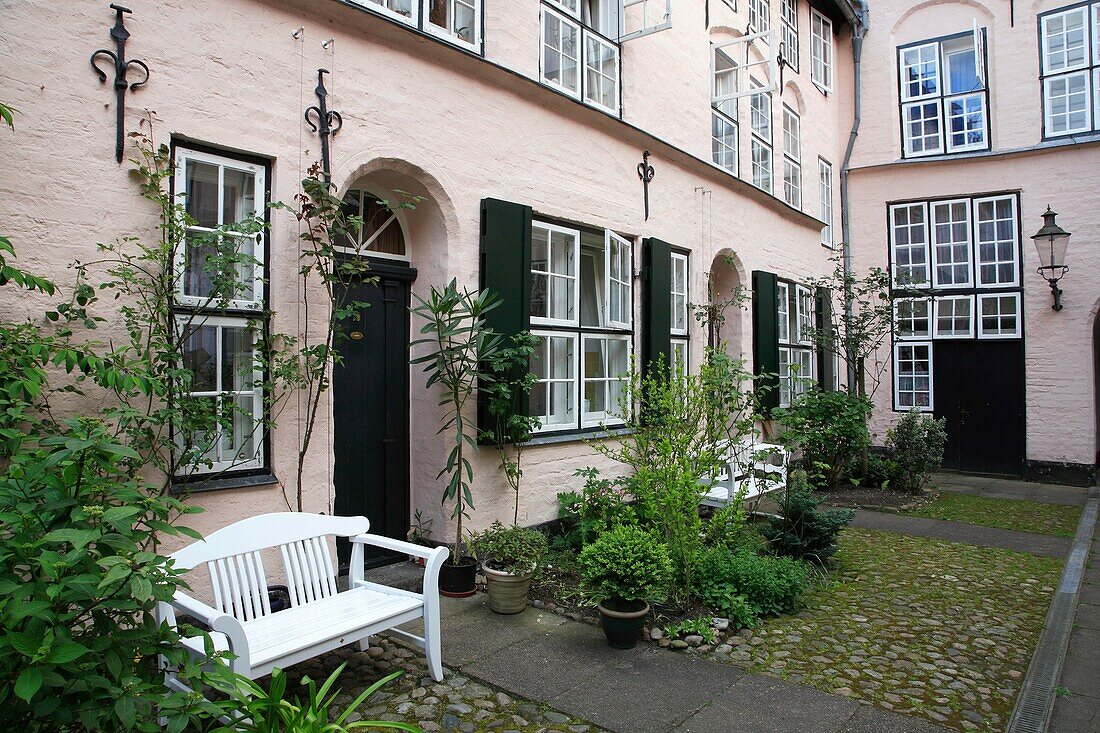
point(626, 566)
point(419, 533)
point(509, 557)
point(458, 342)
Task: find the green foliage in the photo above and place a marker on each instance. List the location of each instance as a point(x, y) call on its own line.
point(421, 529)
point(459, 343)
point(625, 563)
point(802, 530)
point(829, 429)
point(726, 526)
point(505, 397)
point(79, 582)
point(7, 115)
point(252, 709)
point(736, 608)
point(599, 506)
point(514, 549)
point(687, 627)
point(677, 435)
point(917, 444)
point(769, 585)
point(880, 471)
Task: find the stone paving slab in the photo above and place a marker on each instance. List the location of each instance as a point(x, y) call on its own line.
point(764, 705)
point(999, 488)
point(1030, 542)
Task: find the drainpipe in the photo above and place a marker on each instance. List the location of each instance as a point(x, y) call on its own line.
point(859, 29)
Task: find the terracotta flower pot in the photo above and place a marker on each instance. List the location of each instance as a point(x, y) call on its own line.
point(507, 592)
point(622, 624)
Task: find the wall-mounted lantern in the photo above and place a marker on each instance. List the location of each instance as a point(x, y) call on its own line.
point(1051, 242)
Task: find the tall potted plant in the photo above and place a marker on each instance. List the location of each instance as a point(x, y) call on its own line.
point(458, 342)
point(509, 557)
point(626, 567)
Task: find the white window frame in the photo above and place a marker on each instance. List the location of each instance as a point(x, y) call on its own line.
point(615, 247)
point(663, 22)
point(821, 51)
point(783, 313)
point(678, 289)
point(719, 149)
point(395, 219)
point(571, 14)
point(999, 333)
point(922, 335)
point(745, 65)
point(379, 6)
point(792, 158)
point(788, 15)
point(804, 315)
point(595, 419)
point(978, 261)
point(447, 34)
point(934, 243)
point(574, 276)
point(923, 106)
point(897, 376)
point(923, 206)
point(681, 356)
point(579, 66)
point(574, 393)
point(186, 323)
point(1048, 113)
point(759, 141)
point(593, 38)
point(953, 300)
point(825, 192)
point(1044, 36)
point(1062, 73)
point(181, 156)
point(760, 12)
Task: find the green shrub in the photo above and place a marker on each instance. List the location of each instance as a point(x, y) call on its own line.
point(880, 471)
point(741, 613)
point(726, 526)
point(516, 550)
point(770, 586)
point(802, 530)
point(829, 430)
point(917, 442)
point(687, 627)
point(625, 564)
point(599, 506)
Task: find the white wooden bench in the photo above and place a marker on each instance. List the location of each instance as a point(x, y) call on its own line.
point(320, 618)
point(751, 470)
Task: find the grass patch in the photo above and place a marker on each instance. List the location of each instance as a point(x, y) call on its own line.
point(1016, 514)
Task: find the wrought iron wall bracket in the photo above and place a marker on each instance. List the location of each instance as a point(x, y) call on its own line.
point(328, 122)
point(646, 173)
point(122, 65)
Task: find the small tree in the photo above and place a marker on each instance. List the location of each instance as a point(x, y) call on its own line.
point(459, 343)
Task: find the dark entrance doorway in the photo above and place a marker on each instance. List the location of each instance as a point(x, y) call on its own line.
point(979, 388)
point(371, 409)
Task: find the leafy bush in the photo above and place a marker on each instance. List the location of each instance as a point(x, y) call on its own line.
point(802, 530)
point(79, 583)
point(727, 580)
point(741, 613)
point(880, 471)
point(252, 709)
point(599, 506)
point(726, 526)
point(625, 563)
point(687, 627)
point(917, 442)
point(829, 429)
point(516, 550)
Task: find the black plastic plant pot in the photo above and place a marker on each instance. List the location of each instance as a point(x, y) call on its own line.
point(623, 622)
point(458, 580)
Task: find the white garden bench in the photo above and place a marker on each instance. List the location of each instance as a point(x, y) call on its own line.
point(320, 618)
point(751, 470)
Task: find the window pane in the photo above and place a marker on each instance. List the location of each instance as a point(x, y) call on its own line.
point(240, 431)
point(910, 245)
point(560, 52)
point(238, 359)
point(920, 71)
point(921, 128)
point(724, 143)
point(238, 196)
point(761, 166)
point(1064, 40)
point(202, 193)
point(200, 357)
point(1067, 103)
point(601, 72)
point(966, 122)
point(951, 242)
point(997, 241)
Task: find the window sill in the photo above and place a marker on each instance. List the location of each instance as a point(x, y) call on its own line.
point(224, 482)
point(576, 436)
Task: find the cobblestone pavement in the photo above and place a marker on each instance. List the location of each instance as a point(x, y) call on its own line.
point(456, 704)
point(924, 627)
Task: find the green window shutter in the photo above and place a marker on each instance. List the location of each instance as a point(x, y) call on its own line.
point(506, 271)
point(656, 304)
point(765, 337)
point(826, 365)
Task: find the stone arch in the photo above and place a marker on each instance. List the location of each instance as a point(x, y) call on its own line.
point(792, 97)
point(728, 275)
point(985, 13)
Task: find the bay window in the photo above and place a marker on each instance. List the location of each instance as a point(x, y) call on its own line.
point(580, 50)
point(218, 310)
point(944, 95)
point(1070, 69)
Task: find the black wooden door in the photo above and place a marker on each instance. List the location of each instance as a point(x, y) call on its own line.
point(371, 409)
point(979, 389)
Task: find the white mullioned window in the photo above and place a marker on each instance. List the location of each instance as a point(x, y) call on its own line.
point(783, 312)
point(912, 318)
point(760, 13)
point(999, 316)
point(582, 311)
point(679, 295)
point(761, 139)
point(913, 376)
point(954, 317)
point(944, 95)
point(789, 16)
point(821, 51)
point(797, 356)
point(218, 268)
point(1069, 41)
point(725, 82)
point(951, 249)
point(909, 244)
point(825, 192)
point(792, 158)
point(681, 361)
point(580, 50)
point(996, 241)
point(455, 21)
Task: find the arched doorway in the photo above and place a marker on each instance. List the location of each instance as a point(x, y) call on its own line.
point(726, 304)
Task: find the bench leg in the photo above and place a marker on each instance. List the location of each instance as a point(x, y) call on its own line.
point(433, 652)
point(364, 643)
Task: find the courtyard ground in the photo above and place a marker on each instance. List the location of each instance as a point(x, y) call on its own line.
point(928, 624)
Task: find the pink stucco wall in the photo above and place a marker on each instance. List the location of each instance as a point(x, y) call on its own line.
point(1060, 402)
point(419, 116)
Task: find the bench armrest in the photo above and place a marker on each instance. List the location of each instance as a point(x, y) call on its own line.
point(433, 557)
point(218, 621)
point(388, 543)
